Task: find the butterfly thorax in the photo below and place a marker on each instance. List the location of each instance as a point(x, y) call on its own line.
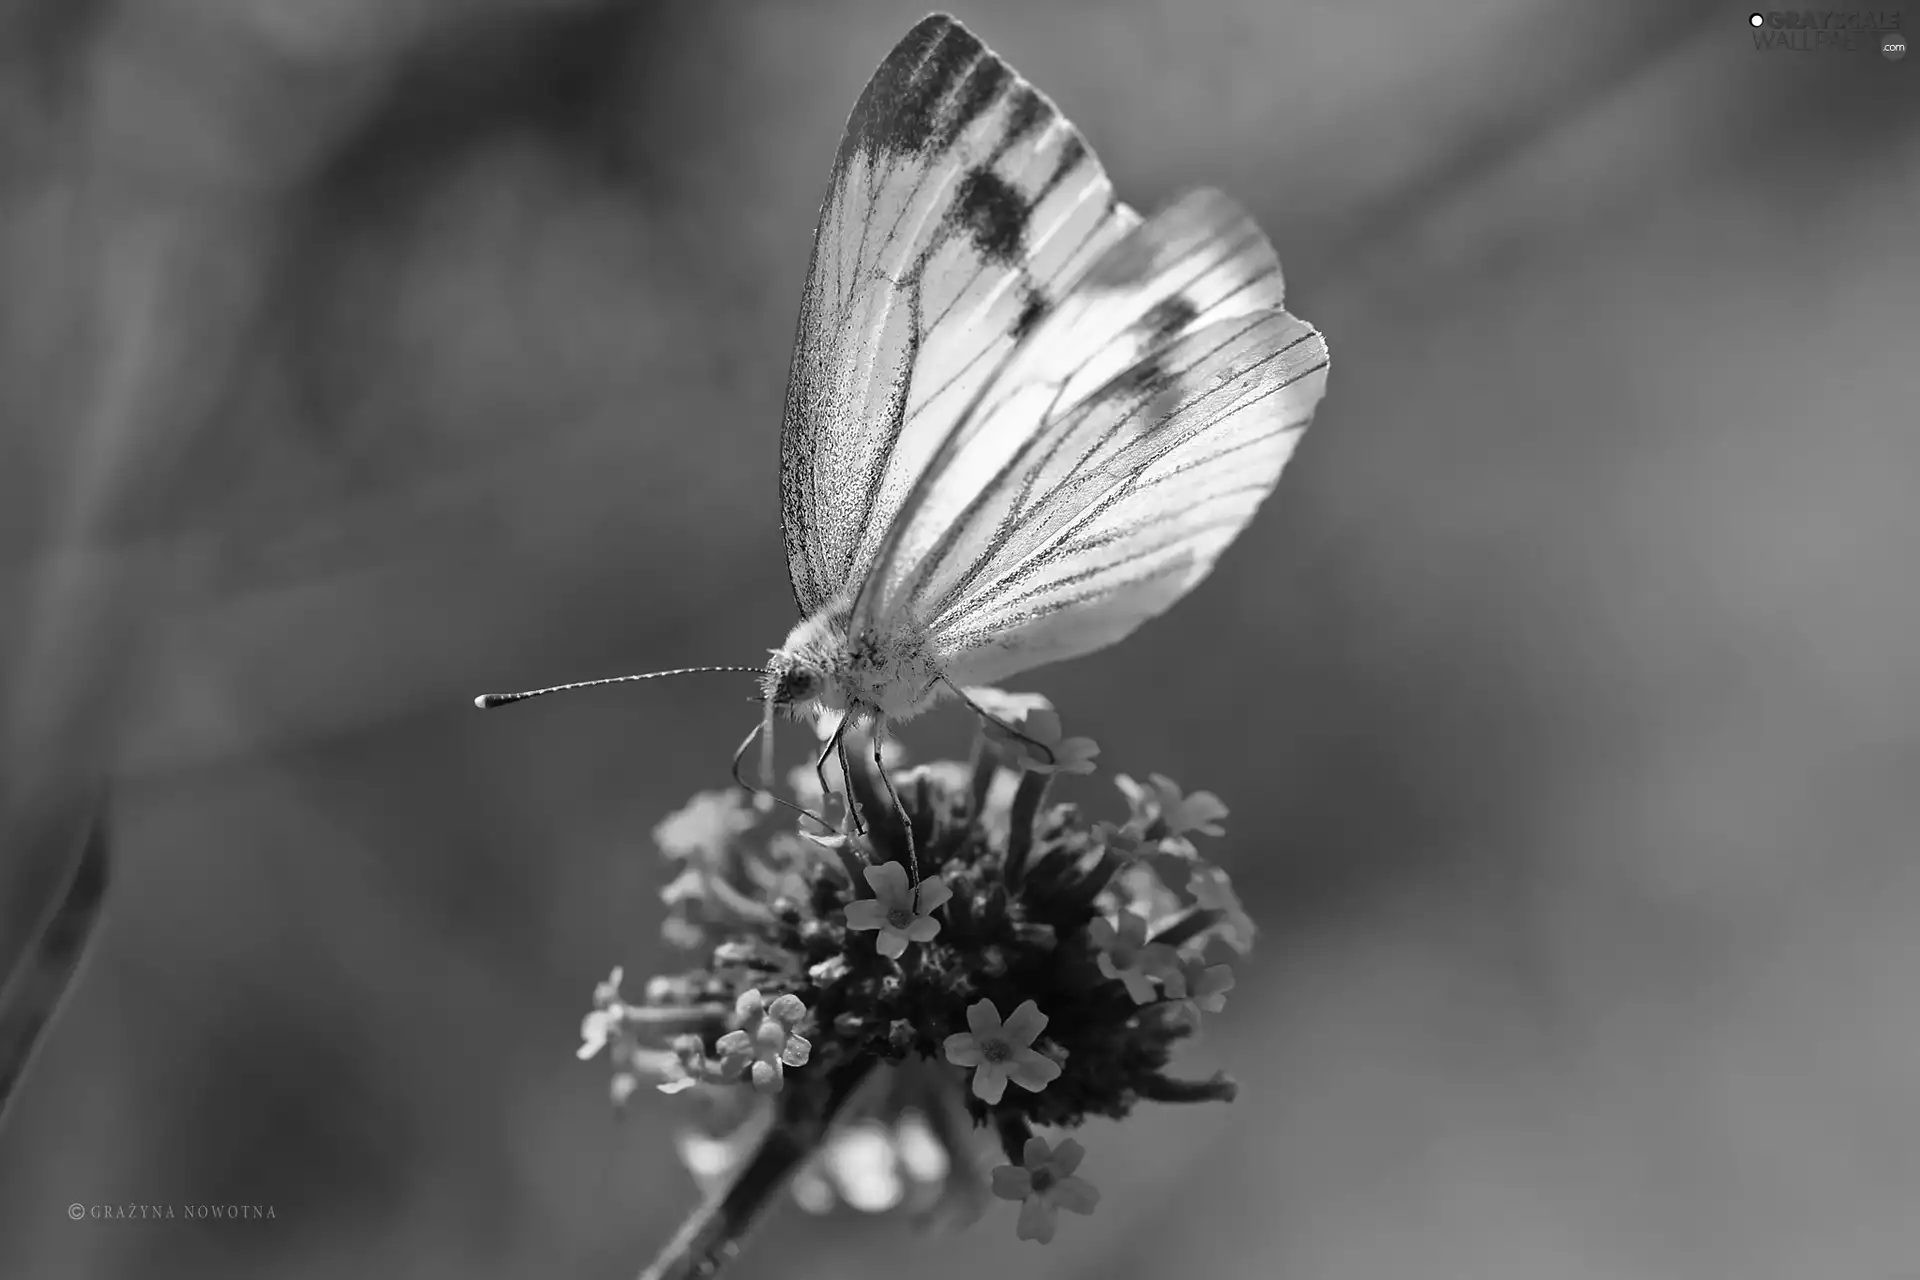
point(887, 674)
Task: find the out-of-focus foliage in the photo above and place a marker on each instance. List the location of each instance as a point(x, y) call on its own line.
point(360, 356)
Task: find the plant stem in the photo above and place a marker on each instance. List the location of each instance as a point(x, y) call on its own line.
point(44, 974)
point(1026, 808)
point(713, 1234)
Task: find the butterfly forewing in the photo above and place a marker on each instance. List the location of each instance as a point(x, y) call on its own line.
point(960, 207)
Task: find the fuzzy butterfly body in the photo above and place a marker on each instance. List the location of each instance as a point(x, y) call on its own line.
point(1021, 420)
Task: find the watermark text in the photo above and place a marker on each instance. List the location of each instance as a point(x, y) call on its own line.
point(133, 1211)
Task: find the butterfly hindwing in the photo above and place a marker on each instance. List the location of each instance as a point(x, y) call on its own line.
point(1169, 462)
point(960, 207)
point(1095, 390)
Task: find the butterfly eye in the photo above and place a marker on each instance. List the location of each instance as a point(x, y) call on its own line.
point(799, 684)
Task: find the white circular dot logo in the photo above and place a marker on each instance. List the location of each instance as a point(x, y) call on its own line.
point(1756, 19)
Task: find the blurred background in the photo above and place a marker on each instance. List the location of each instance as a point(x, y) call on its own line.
point(359, 356)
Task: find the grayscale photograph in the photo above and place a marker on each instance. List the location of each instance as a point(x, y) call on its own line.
point(1064, 641)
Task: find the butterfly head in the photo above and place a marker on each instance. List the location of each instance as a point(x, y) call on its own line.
point(791, 681)
point(802, 677)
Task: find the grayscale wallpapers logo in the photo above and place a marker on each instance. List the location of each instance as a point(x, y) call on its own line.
point(1833, 30)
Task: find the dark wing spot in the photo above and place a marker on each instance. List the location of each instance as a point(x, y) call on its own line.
point(992, 213)
point(1127, 261)
point(1030, 313)
point(1030, 111)
point(1072, 152)
point(1142, 379)
point(904, 105)
point(988, 79)
point(1169, 317)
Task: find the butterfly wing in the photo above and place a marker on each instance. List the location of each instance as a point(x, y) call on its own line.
point(1129, 440)
point(960, 207)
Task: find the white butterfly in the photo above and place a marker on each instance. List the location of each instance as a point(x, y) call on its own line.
point(1020, 420)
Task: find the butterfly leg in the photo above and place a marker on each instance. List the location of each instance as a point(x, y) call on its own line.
point(899, 811)
point(988, 716)
point(837, 745)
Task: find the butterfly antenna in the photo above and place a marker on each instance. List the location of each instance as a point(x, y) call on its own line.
point(486, 700)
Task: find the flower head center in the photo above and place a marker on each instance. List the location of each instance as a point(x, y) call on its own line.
point(1043, 1179)
point(900, 917)
point(994, 1049)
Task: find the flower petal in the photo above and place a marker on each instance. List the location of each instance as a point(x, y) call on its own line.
point(1213, 890)
point(811, 1190)
point(1042, 724)
point(932, 895)
point(1159, 960)
point(1201, 812)
point(1011, 707)
point(923, 1156)
point(734, 1042)
point(1035, 1154)
point(769, 1038)
point(1025, 1023)
point(1010, 1183)
point(593, 1034)
point(990, 1082)
point(787, 1010)
point(1077, 755)
point(1140, 987)
point(1132, 929)
point(889, 883)
point(865, 913)
point(861, 1162)
point(963, 1050)
point(1036, 1220)
point(798, 1049)
point(749, 1006)
point(689, 886)
point(1102, 933)
point(1067, 1157)
point(767, 1077)
point(984, 1018)
point(1075, 1195)
point(892, 943)
point(922, 930)
point(1033, 1071)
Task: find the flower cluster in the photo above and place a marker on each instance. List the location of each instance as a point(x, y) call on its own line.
point(970, 959)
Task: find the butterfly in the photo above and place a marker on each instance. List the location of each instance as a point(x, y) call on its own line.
point(1021, 419)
